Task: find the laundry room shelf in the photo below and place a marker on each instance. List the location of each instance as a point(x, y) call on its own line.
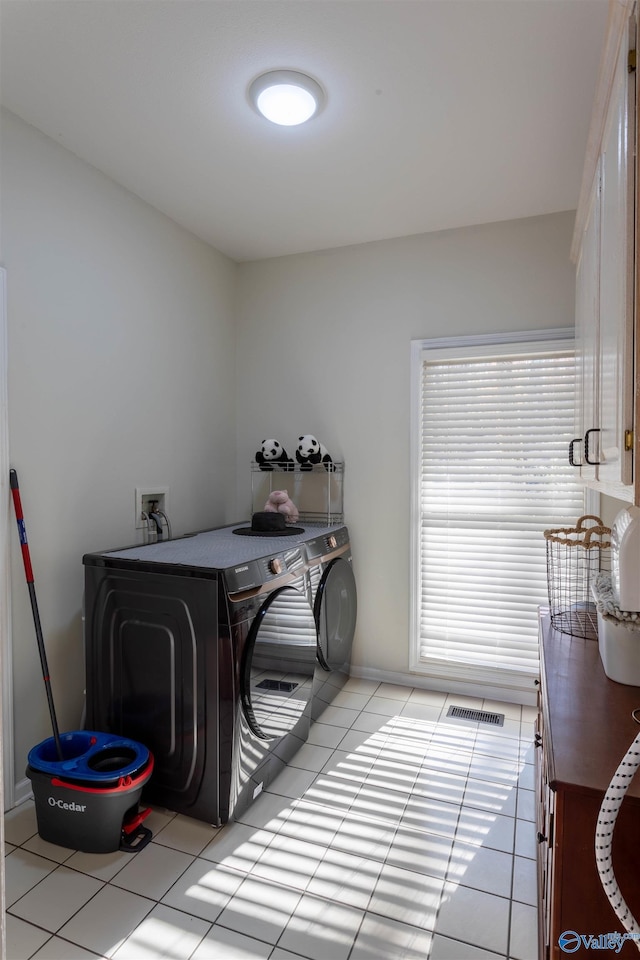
point(318, 493)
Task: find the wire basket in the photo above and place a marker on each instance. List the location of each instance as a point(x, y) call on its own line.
point(575, 556)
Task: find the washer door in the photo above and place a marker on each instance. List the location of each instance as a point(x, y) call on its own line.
point(335, 610)
point(278, 664)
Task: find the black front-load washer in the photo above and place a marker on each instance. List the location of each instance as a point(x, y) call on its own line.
point(334, 598)
point(203, 649)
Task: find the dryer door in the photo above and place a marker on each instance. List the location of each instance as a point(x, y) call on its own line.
point(335, 610)
point(278, 664)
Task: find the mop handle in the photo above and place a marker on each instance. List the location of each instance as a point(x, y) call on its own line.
point(28, 569)
point(22, 530)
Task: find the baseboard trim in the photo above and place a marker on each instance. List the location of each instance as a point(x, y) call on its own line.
point(23, 791)
point(483, 691)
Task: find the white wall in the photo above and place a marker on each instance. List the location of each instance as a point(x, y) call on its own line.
point(121, 373)
point(323, 348)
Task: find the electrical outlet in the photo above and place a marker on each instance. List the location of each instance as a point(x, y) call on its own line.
point(145, 498)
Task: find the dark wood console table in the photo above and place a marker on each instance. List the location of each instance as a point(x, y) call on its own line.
point(584, 728)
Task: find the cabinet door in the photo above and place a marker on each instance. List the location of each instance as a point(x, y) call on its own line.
point(587, 331)
point(605, 301)
point(615, 334)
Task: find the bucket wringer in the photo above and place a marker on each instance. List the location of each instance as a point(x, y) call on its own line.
point(86, 785)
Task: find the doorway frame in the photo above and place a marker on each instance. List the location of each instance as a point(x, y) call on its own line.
point(7, 785)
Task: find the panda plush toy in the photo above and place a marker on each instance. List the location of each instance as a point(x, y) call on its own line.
point(311, 451)
point(273, 456)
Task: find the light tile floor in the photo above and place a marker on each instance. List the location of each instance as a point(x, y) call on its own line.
point(394, 833)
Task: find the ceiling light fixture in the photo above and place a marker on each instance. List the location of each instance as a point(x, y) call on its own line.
point(286, 97)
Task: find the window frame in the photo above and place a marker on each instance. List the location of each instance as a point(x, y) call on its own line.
point(487, 345)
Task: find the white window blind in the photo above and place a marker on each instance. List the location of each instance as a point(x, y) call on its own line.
point(494, 426)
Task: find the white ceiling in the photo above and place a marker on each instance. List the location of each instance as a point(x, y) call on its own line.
point(440, 113)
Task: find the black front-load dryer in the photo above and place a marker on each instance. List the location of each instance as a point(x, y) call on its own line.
point(203, 649)
point(334, 598)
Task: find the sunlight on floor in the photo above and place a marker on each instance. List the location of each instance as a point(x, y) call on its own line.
point(400, 798)
point(394, 832)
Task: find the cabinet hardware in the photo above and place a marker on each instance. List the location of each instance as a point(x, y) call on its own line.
point(541, 837)
point(572, 459)
point(593, 463)
point(631, 61)
point(628, 439)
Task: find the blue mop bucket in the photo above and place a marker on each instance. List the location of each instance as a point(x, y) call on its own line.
point(89, 800)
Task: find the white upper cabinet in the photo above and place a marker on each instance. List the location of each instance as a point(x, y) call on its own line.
point(616, 279)
point(605, 291)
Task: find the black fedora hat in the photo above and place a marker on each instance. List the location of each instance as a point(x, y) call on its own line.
point(268, 523)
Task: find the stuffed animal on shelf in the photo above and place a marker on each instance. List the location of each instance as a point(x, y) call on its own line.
point(273, 456)
point(279, 502)
point(310, 451)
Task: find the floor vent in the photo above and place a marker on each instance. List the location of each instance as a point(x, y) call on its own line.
point(482, 716)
